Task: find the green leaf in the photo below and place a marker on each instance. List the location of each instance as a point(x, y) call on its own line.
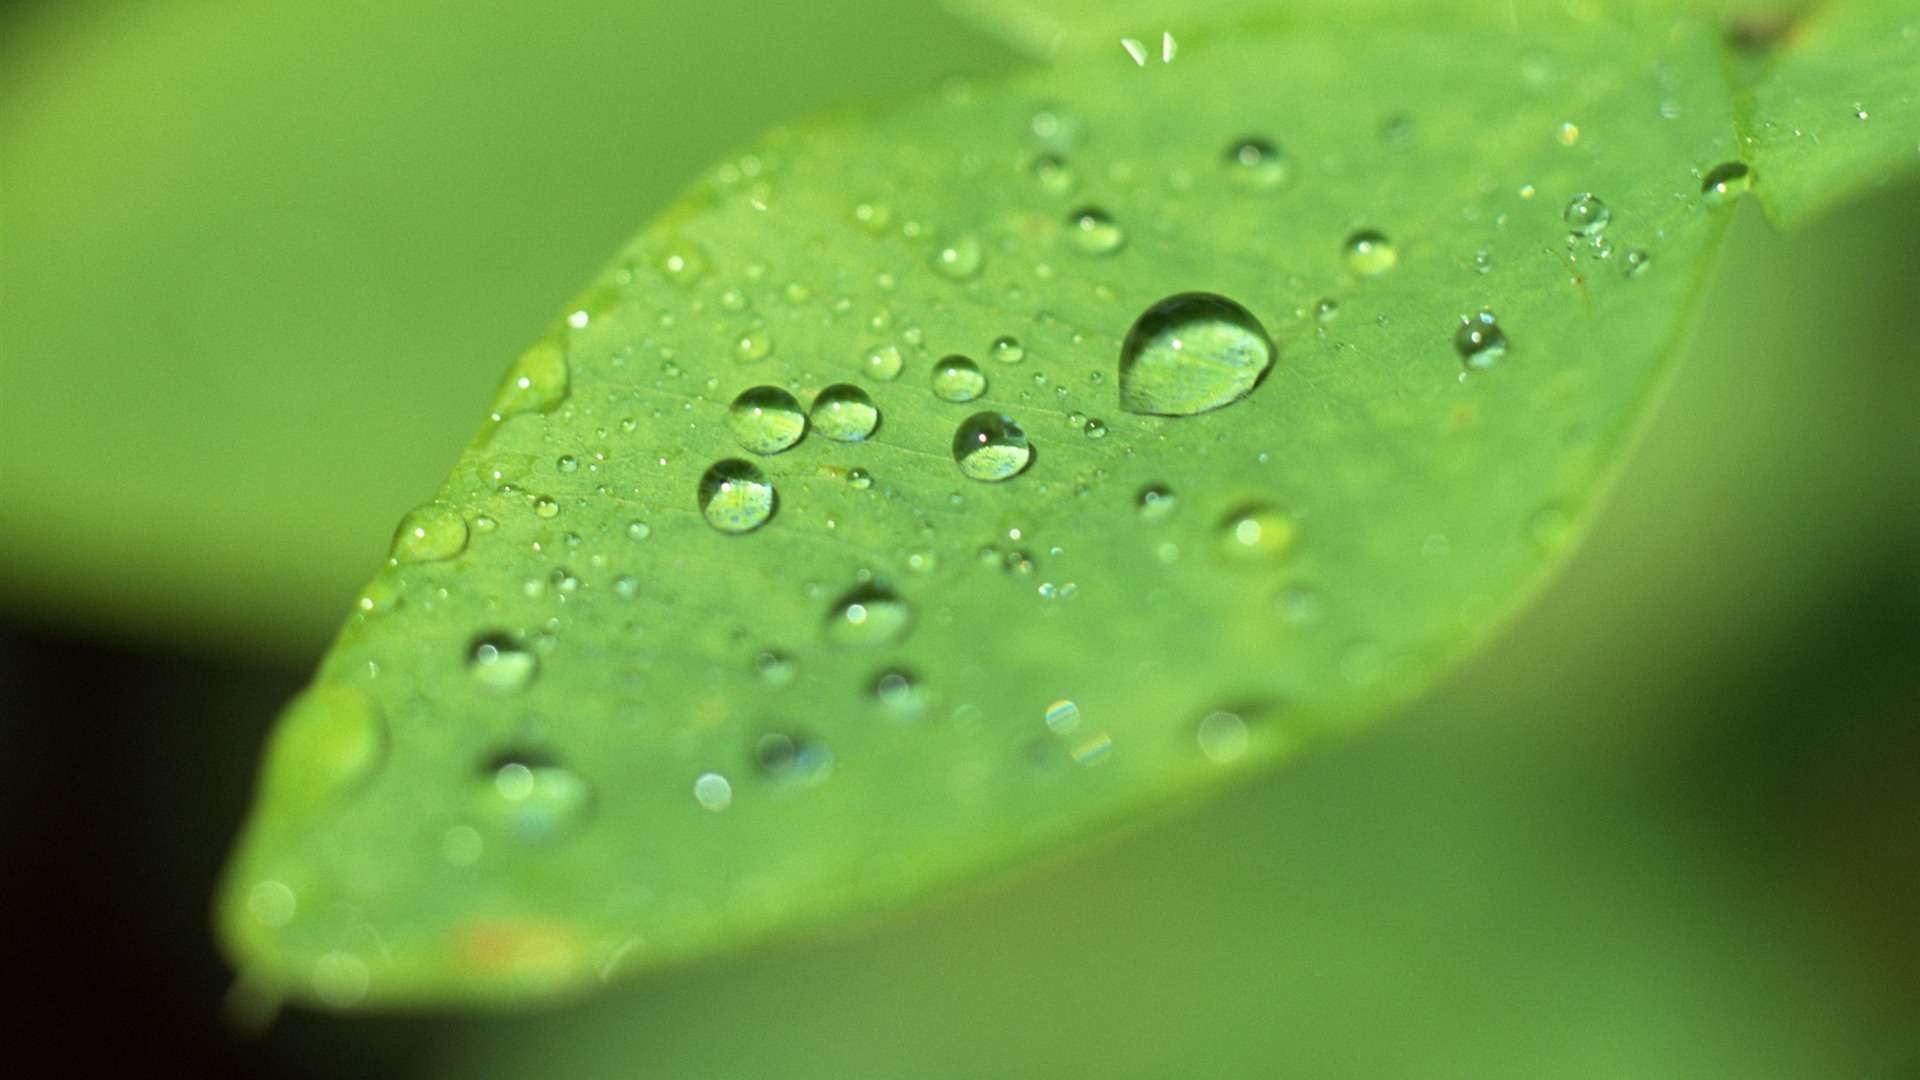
point(626, 716)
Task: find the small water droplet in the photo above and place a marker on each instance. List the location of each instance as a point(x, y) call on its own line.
point(900, 694)
point(735, 496)
point(990, 446)
point(429, 533)
point(1094, 232)
point(844, 413)
point(638, 530)
point(1567, 134)
point(873, 217)
point(1586, 215)
point(566, 464)
point(752, 346)
point(1725, 183)
point(882, 363)
point(868, 615)
point(683, 264)
point(958, 379)
point(1055, 174)
point(961, 258)
point(1326, 310)
point(713, 792)
point(1636, 261)
point(1155, 502)
point(1222, 737)
point(341, 979)
point(1007, 350)
point(776, 668)
point(1096, 428)
point(1256, 164)
point(271, 903)
point(544, 507)
point(1370, 253)
point(1191, 353)
point(1256, 533)
point(1061, 717)
point(859, 479)
point(1480, 341)
point(532, 799)
point(498, 662)
point(766, 420)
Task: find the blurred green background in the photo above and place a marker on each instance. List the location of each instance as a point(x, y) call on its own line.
point(260, 267)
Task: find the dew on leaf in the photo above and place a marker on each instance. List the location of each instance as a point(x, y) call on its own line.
point(1155, 502)
point(638, 530)
point(868, 615)
point(753, 345)
point(1222, 737)
point(735, 496)
point(882, 363)
point(1256, 533)
point(537, 381)
point(1480, 341)
point(958, 379)
point(1055, 174)
point(1094, 232)
point(859, 479)
point(1370, 253)
point(1636, 261)
point(1586, 215)
point(1190, 353)
point(1007, 350)
point(429, 533)
point(1096, 428)
point(900, 694)
point(1726, 182)
point(713, 791)
point(500, 663)
point(766, 420)
point(533, 800)
point(1256, 164)
point(776, 668)
point(961, 258)
point(991, 446)
point(844, 413)
point(683, 264)
point(1326, 310)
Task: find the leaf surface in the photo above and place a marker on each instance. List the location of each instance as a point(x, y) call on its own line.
point(605, 712)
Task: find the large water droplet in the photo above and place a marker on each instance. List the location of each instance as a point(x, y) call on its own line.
point(844, 413)
point(532, 799)
point(1587, 215)
point(1094, 232)
point(1256, 533)
point(498, 662)
point(961, 258)
point(1370, 253)
point(735, 496)
point(766, 420)
point(1191, 353)
point(868, 615)
point(1480, 341)
point(330, 743)
point(1725, 183)
point(1256, 164)
point(958, 379)
point(537, 381)
point(991, 446)
point(428, 533)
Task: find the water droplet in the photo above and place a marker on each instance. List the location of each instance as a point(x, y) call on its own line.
point(1096, 428)
point(1370, 253)
point(1256, 533)
point(638, 530)
point(340, 979)
point(271, 903)
point(713, 792)
point(1055, 174)
point(1222, 737)
point(429, 533)
point(1636, 261)
point(498, 662)
point(868, 615)
point(844, 413)
point(1725, 183)
point(1480, 341)
point(1256, 164)
point(775, 668)
point(1093, 750)
point(1326, 310)
point(901, 694)
point(1007, 350)
point(1094, 232)
point(859, 479)
point(1155, 502)
point(753, 345)
point(1587, 215)
point(566, 464)
point(683, 264)
point(545, 508)
point(531, 799)
point(958, 379)
point(882, 363)
point(766, 420)
point(735, 496)
point(537, 381)
point(1062, 717)
point(1567, 134)
point(990, 446)
point(961, 258)
point(1191, 353)
point(873, 217)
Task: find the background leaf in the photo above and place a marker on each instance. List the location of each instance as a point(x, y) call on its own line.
point(606, 813)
